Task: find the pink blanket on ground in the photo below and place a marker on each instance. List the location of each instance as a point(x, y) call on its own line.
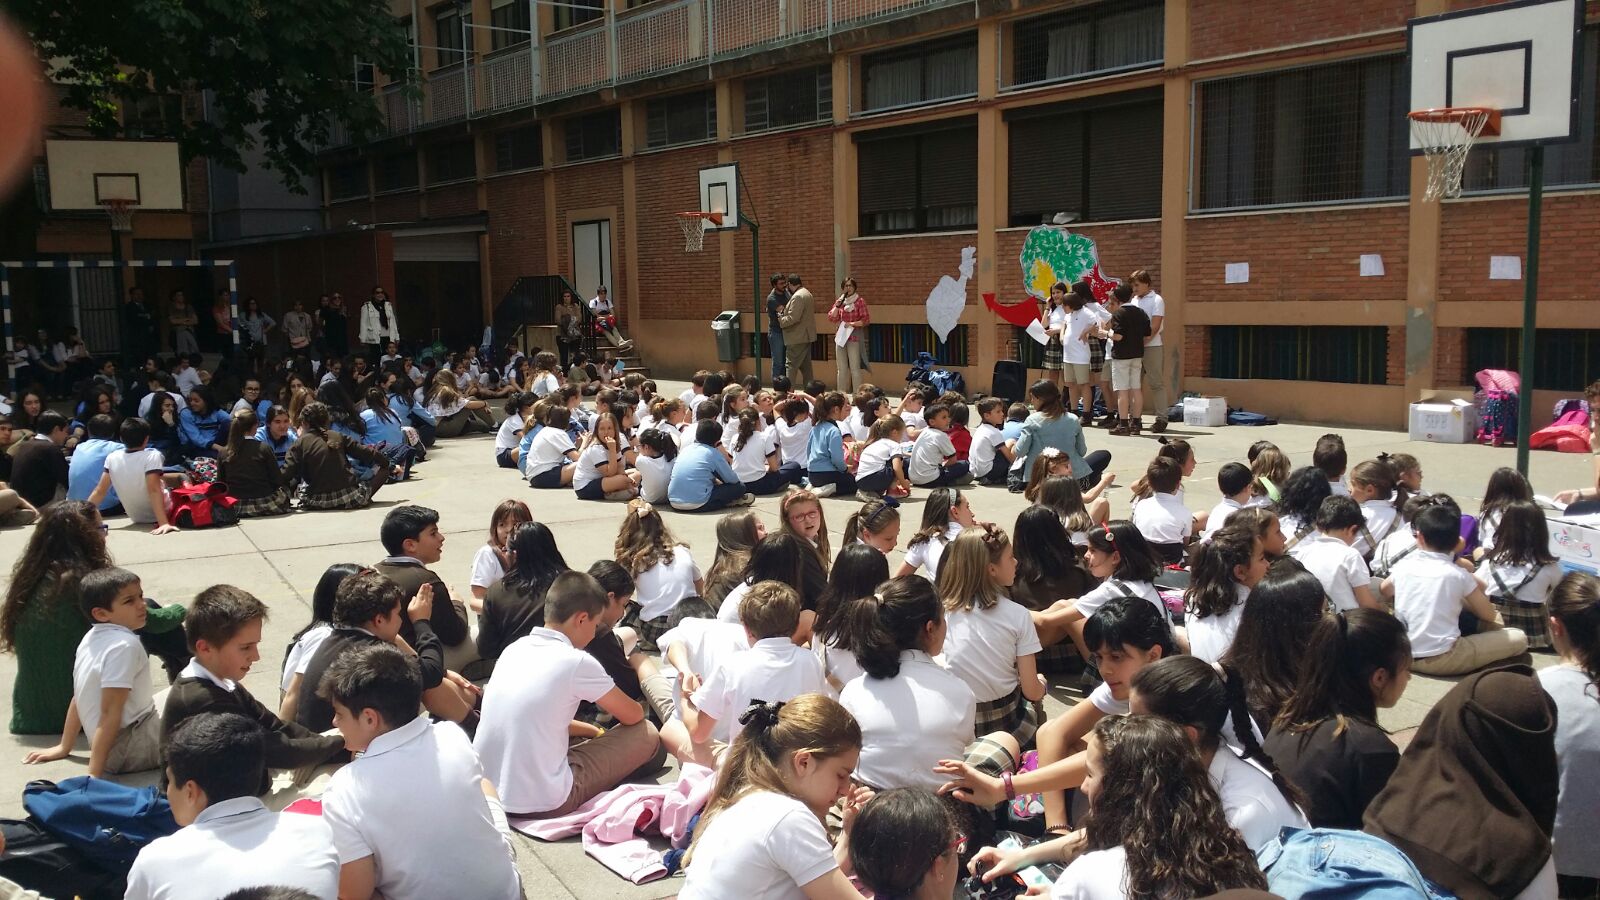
point(612, 822)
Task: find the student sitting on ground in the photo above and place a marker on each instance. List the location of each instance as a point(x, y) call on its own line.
point(1519, 573)
point(399, 833)
point(1374, 485)
point(1329, 458)
point(552, 457)
point(1161, 517)
point(224, 631)
point(602, 472)
point(881, 468)
point(933, 457)
point(663, 571)
point(702, 479)
point(755, 453)
point(1430, 592)
point(508, 438)
point(945, 514)
point(528, 709)
point(1575, 631)
point(1234, 481)
point(1329, 553)
point(88, 461)
point(1222, 574)
point(319, 458)
point(658, 453)
point(906, 843)
point(826, 468)
point(410, 534)
point(250, 471)
point(773, 670)
point(216, 763)
point(136, 474)
point(991, 454)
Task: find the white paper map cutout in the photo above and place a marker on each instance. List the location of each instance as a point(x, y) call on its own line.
point(949, 297)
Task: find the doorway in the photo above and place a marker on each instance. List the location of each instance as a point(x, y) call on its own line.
point(591, 258)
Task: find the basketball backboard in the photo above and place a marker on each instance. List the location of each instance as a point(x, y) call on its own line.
point(719, 193)
point(84, 175)
point(1519, 58)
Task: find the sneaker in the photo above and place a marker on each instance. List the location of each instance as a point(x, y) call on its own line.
point(900, 493)
point(1160, 424)
point(746, 500)
point(868, 496)
point(824, 490)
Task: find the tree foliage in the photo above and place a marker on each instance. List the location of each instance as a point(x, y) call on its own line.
point(280, 72)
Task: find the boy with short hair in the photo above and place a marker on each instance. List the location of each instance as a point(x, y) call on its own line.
point(696, 391)
point(960, 435)
point(398, 834)
point(112, 696)
point(1161, 517)
point(1329, 554)
point(224, 631)
point(1127, 331)
point(1016, 417)
point(991, 454)
point(1233, 480)
point(136, 473)
point(411, 536)
point(528, 712)
point(229, 839)
point(89, 461)
point(702, 478)
point(933, 455)
point(1431, 590)
point(38, 464)
point(1330, 458)
point(773, 669)
point(912, 404)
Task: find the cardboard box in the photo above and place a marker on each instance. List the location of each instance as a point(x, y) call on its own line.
point(1210, 412)
point(1455, 422)
point(1576, 546)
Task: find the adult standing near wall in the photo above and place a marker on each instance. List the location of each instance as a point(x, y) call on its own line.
point(777, 298)
point(298, 328)
point(378, 323)
point(849, 310)
point(569, 327)
point(1154, 375)
point(138, 329)
point(335, 328)
point(183, 319)
point(799, 328)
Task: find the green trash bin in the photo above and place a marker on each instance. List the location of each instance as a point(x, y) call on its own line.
point(726, 327)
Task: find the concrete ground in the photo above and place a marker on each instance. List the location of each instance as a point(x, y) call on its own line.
point(281, 559)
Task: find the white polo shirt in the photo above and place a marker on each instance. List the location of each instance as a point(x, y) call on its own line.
point(1163, 519)
point(1210, 637)
point(1381, 518)
point(729, 610)
point(509, 434)
point(1251, 803)
point(1112, 588)
point(1153, 306)
point(750, 461)
point(708, 644)
point(234, 844)
point(659, 588)
point(1530, 584)
point(522, 734)
point(301, 652)
point(764, 847)
point(1102, 699)
point(547, 451)
point(910, 722)
point(590, 460)
point(840, 666)
point(1336, 564)
point(655, 475)
point(925, 555)
point(1096, 875)
point(793, 440)
point(110, 656)
point(875, 457)
point(772, 670)
point(928, 455)
point(128, 469)
point(1219, 516)
point(986, 441)
point(982, 646)
point(1074, 350)
point(1428, 590)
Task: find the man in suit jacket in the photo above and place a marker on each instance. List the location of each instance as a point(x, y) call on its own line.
point(799, 330)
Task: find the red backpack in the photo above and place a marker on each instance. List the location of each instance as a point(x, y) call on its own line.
point(203, 506)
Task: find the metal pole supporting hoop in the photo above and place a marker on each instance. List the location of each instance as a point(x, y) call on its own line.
point(1446, 135)
point(694, 228)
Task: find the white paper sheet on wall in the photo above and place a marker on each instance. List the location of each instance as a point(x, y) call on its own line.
point(1505, 268)
point(1371, 265)
point(1236, 273)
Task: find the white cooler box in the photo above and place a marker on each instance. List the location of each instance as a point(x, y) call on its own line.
point(1455, 422)
point(1211, 412)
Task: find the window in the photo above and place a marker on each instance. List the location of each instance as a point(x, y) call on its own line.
point(1567, 359)
point(595, 136)
point(925, 73)
point(509, 22)
point(364, 76)
point(153, 115)
point(1107, 37)
point(396, 172)
point(684, 119)
point(1099, 159)
point(919, 179)
point(1574, 163)
point(1349, 354)
point(451, 162)
point(518, 148)
point(449, 21)
point(1313, 135)
point(788, 98)
point(347, 181)
point(577, 12)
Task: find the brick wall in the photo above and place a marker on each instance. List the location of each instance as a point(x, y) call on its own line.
point(340, 214)
point(517, 243)
point(587, 186)
point(397, 207)
point(1313, 255)
point(1473, 232)
point(1450, 357)
point(677, 284)
point(1196, 351)
point(790, 178)
point(1395, 370)
point(1223, 27)
point(452, 200)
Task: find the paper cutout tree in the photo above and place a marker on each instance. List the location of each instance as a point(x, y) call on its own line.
point(1052, 254)
point(949, 297)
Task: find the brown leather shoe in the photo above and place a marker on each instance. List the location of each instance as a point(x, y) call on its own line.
point(1121, 428)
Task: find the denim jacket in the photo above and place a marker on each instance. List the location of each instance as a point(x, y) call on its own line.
point(1328, 863)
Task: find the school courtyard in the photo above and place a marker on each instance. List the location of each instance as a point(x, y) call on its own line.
point(281, 559)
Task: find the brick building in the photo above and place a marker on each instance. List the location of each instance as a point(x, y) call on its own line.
point(877, 138)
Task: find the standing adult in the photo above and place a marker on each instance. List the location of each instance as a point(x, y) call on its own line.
point(799, 328)
point(222, 322)
point(569, 328)
point(849, 310)
point(298, 328)
point(257, 326)
point(776, 299)
point(335, 331)
point(138, 328)
point(183, 320)
point(1155, 364)
point(378, 323)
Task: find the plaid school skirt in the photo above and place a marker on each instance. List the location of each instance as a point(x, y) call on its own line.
point(1052, 354)
point(1097, 355)
point(1532, 618)
point(1011, 714)
point(275, 504)
point(649, 630)
point(356, 496)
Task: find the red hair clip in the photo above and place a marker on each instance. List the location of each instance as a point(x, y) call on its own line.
point(1109, 535)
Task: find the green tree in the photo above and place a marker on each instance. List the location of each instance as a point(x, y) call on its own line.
point(281, 72)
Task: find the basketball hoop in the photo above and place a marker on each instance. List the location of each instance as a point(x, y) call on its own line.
point(694, 228)
point(121, 212)
point(1445, 135)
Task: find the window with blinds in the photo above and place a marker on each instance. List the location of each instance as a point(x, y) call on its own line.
point(684, 119)
point(450, 22)
point(919, 178)
point(518, 148)
point(395, 172)
point(924, 73)
point(595, 136)
point(1103, 38)
point(1318, 134)
point(1568, 359)
point(347, 181)
point(1347, 354)
point(1097, 160)
point(1572, 164)
point(510, 21)
point(787, 99)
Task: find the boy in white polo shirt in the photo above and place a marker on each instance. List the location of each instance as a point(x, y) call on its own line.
point(1233, 480)
point(412, 815)
point(773, 669)
point(136, 473)
point(229, 839)
point(991, 454)
point(933, 456)
point(1329, 553)
point(528, 709)
point(1430, 590)
point(1161, 517)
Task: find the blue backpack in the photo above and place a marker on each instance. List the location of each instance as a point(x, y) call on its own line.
point(108, 822)
point(946, 380)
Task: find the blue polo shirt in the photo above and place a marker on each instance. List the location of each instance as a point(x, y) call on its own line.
point(84, 468)
point(696, 471)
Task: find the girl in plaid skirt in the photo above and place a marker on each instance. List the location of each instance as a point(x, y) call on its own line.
point(664, 573)
point(1519, 573)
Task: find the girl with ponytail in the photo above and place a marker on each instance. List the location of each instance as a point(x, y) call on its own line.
point(762, 832)
point(876, 524)
point(1327, 739)
point(857, 573)
point(1375, 485)
point(1574, 685)
point(1221, 573)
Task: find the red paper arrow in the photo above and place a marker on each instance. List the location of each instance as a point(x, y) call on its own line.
point(1018, 314)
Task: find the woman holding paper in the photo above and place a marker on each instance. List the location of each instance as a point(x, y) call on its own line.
point(850, 312)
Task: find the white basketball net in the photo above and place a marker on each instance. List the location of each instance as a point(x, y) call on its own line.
point(1445, 140)
point(694, 232)
point(121, 212)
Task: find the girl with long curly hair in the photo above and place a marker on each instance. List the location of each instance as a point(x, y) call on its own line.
point(663, 571)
